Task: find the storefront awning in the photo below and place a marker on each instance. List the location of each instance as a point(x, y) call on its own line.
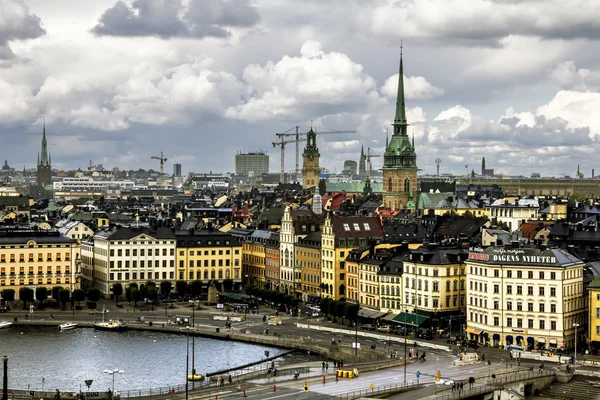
point(410, 319)
point(364, 312)
point(389, 317)
point(378, 315)
point(474, 331)
point(542, 340)
point(552, 341)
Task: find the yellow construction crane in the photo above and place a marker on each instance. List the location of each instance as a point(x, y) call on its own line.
point(91, 166)
point(282, 144)
point(369, 156)
point(162, 164)
point(297, 139)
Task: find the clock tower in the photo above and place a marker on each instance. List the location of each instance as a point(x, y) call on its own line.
point(400, 159)
point(310, 161)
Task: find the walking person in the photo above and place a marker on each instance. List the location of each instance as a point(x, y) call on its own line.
point(326, 366)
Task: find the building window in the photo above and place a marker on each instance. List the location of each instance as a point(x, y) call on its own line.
point(509, 322)
point(496, 321)
point(407, 185)
point(553, 292)
point(509, 273)
point(509, 305)
point(530, 274)
point(530, 290)
point(519, 322)
point(508, 289)
point(542, 307)
point(530, 307)
point(541, 291)
point(553, 308)
point(541, 274)
point(542, 324)
point(519, 288)
point(530, 323)
point(390, 186)
point(496, 288)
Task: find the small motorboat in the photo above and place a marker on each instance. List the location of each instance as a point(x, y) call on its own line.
point(5, 324)
point(112, 325)
point(67, 326)
point(195, 377)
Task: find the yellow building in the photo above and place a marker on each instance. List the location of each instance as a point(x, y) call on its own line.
point(254, 257)
point(38, 258)
point(308, 261)
point(352, 261)
point(208, 256)
point(594, 312)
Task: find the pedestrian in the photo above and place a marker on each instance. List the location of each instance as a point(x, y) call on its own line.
point(483, 357)
point(417, 354)
point(453, 386)
point(334, 364)
point(326, 366)
point(462, 387)
point(230, 379)
point(339, 342)
point(323, 365)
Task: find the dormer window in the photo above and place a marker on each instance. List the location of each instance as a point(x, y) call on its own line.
point(346, 227)
point(356, 227)
point(366, 226)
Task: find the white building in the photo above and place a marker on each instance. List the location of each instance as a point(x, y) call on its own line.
point(514, 213)
point(90, 184)
point(128, 255)
point(525, 296)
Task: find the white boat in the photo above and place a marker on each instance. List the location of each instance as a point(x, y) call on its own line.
point(5, 324)
point(67, 326)
point(111, 325)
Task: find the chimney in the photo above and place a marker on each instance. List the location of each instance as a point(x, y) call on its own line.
point(593, 173)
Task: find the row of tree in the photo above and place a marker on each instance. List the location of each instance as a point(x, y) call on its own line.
point(274, 296)
point(339, 309)
point(150, 291)
point(61, 295)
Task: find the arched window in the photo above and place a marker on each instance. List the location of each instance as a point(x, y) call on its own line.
point(390, 185)
point(407, 185)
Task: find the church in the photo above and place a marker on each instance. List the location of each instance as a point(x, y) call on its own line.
point(44, 165)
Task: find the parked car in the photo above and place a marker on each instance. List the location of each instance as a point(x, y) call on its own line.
point(384, 328)
point(3, 309)
point(98, 312)
point(367, 327)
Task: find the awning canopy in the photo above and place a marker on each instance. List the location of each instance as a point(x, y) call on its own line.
point(378, 315)
point(541, 340)
point(235, 296)
point(552, 341)
point(496, 336)
point(530, 340)
point(410, 319)
point(389, 317)
point(474, 331)
point(364, 312)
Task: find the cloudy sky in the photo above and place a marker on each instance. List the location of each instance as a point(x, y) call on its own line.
point(516, 81)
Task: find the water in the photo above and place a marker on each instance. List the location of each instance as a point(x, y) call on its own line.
point(64, 360)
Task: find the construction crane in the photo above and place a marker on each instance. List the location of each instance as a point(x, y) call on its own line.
point(297, 135)
point(162, 164)
point(369, 156)
point(91, 167)
point(282, 144)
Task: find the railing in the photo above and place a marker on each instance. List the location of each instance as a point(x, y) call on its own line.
point(373, 392)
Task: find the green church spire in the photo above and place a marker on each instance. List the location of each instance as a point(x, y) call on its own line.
point(400, 123)
point(44, 161)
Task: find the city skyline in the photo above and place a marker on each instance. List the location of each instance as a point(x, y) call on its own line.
point(119, 82)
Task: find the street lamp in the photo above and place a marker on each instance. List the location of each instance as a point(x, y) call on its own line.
point(5, 381)
point(113, 373)
point(575, 357)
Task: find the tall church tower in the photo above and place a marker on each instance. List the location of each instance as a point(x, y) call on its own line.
point(310, 161)
point(44, 167)
point(400, 159)
point(362, 162)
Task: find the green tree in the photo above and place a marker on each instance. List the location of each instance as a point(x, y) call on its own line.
point(55, 291)
point(8, 294)
point(117, 290)
point(196, 288)
point(152, 294)
point(251, 290)
point(227, 285)
point(468, 214)
point(351, 311)
point(579, 197)
point(331, 308)
point(144, 291)
point(182, 287)
point(339, 308)
point(134, 285)
point(93, 295)
point(324, 304)
point(135, 296)
point(165, 289)
point(64, 297)
point(26, 295)
point(41, 293)
point(322, 187)
point(78, 295)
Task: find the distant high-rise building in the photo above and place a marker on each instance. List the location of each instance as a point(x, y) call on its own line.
point(255, 163)
point(350, 165)
point(44, 165)
point(176, 169)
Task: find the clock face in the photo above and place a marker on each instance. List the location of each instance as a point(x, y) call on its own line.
point(407, 149)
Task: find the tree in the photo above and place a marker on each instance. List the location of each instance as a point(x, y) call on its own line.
point(251, 290)
point(135, 296)
point(93, 294)
point(196, 288)
point(41, 293)
point(331, 308)
point(78, 295)
point(152, 294)
point(351, 311)
point(339, 308)
point(134, 285)
point(322, 187)
point(8, 294)
point(144, 291)
point(227, 285)
point(468, 214)
point(165, 289)
point(578, 197)
point(63, 297)
point(55, 291)
point(151, 283)
point(181, 287)
point(26, 295)
point(324, 304)
point(117, 290)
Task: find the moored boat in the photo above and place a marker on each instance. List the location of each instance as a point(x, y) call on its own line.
point(195, 377)
point(5, 324)
point(112, 325)
point(67, 326)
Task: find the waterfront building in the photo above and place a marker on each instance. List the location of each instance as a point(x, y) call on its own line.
point(352, 283)
point(390, 280)
point(530, 296)
point(128, 255)
point(594, 313)
point(31, 258)
point(513, 213)
point(434, 282)
point(340, 236)
point(368, 272)
point(254, 257)
point(272, 259)
point(208, 255)
point(295, 224)
point(308, 261)
point(400, 159)
point(310, 161)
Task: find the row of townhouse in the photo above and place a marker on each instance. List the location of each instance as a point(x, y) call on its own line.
point(139, 254)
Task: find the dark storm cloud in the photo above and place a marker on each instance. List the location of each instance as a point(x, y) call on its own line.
point(17, 24)
point(171, 18)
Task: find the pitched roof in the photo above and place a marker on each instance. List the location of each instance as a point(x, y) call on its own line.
point(356, 227)
point(131, 232)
